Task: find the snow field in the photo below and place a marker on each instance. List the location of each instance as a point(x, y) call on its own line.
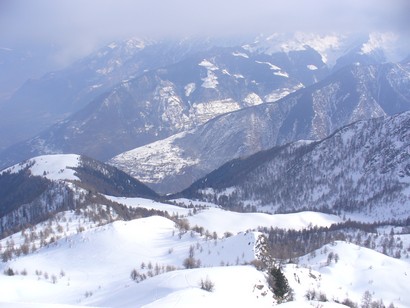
point(216, 219)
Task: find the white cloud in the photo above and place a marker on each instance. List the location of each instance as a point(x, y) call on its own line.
point(79, 25)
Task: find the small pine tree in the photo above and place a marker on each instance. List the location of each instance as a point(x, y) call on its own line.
point(279, 284)
point(135, 275)
point(9, 272)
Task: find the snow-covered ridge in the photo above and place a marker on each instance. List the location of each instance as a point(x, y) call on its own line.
point(53, 167)
point(221, 221)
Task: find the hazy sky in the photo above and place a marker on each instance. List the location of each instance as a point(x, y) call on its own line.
point(77, 26)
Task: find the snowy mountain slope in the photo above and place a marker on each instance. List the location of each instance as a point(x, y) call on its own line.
point(83, 269)
point(351, 94)
point(361, 169)
point(173, 99)
point(35, 189)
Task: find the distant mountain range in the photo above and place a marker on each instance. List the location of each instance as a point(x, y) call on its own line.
point(353, 93)
point(159, 102)
point(187, 107)
point(40, 103)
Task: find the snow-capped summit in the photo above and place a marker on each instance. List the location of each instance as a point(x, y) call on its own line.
point(330, 46)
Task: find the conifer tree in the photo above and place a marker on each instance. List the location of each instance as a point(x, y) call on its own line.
point(279, 284)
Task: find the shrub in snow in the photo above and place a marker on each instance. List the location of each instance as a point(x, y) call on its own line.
point(136, 276)
point(191, 262)
point(54, 279)
point(313, 295)
point(207, 284)
point(349, 303)
point(258, 264)
point(310, 294)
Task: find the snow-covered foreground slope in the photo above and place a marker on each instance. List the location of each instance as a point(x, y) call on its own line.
point(93, 267)
point(96, 264)
point(235, 286)
point(354, 271)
